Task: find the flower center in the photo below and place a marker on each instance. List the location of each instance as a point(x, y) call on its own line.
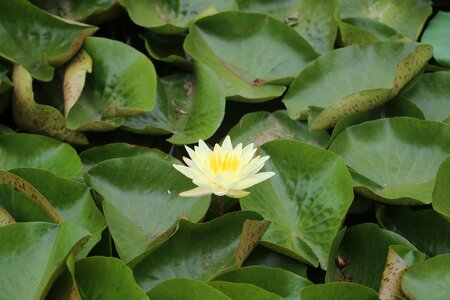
point(221, 163)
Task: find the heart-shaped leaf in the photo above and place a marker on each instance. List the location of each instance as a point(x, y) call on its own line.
point(113, 90)
point(441, 191)
point(185, 288)
point(191, 106)
point(314, 20)
point(434, 35)
point(261, 127)
point(243, 291)
point(141, 202)
point(297, 200)
point(405, 16)
point(37, 40)
point(278, 281)
point(430, 94)
point(338, 291)
point(170, 17)
point(201, 251)
point(35, 151)
point(359, 254)
point(254, 63)
point(426, 229)
point(350, 88)
point(76, 206)
point(429, 279)
point(32, 254)
point(394, 160)
point(35, 117)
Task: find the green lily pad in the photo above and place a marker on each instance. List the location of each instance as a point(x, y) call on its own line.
point(350, 88)
point(101, 277)
point(361, 254)
point(172, 17)
point(32, 254)
point(71, 199)
point(185, 288)
point(399, 259)
point(435, 35)
point(35, 151)
point(405, 16)
point(167, 48)
point(314, 20)
point(112, 91)
point(243, 291)
point(191, 106)
point(74, 9)
point(338, 291)
point(362, 31)
point(96, 155)
point(35, 117)
point(278, 281)
point(429, 279)
point(261, 127)
point(201, 251)
point(37, 40)
point(441, 191)
point(296, 200)
point(394, 160)
point(262, 256)
point(24, 208)
point(5, 217)
point(430, 94)
point(426, 229)
point(5, 82)
point(152, 208)
point(254, 63)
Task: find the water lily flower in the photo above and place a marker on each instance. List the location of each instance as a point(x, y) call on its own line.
point(224, 170)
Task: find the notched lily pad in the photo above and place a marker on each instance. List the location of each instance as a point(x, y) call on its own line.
point(350, 87)
point(191, 106)
point(186, 288)
point(170, 16)
point(39, 118)
point(296, 200)
point(201, 251)
point(338, 291)
point(441, 191)
point(38, 40)
point(394, 160)
point(435, 35)
point(254, 64)
point(152, 208)
point(112, 91)
point(261, 127)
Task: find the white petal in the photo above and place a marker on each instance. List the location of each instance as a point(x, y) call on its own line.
point(237, 193)
point(189, 172)
point(247, 153)
point(189, 162)
point(257, 178)
point(226, 145)
point(197, 192)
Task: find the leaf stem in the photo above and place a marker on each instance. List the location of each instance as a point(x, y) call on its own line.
point(220, 205)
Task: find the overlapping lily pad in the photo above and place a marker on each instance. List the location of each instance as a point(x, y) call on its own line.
point(112, 91)
point(32, 254)
point(141, 202)
point(429, 279)
point(405, 16)
point(394, 160)
point(426, 229)
point(35, 151)
point(201, 251)
point(254, 63)
point(262, 127)
point(35, 117)
point(185, 288)
point(243, 291)
point(430, 94)
point(359, 254)
point(441, 191)
point(296, 200)
point(338, 291)
point(278, 281)
point(435, 35)
point(351, 88)
point(314, 20)
point(171, 17)
point(191, 106)
point(37, 40)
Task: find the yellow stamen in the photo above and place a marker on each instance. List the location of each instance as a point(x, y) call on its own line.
point(220, 163)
